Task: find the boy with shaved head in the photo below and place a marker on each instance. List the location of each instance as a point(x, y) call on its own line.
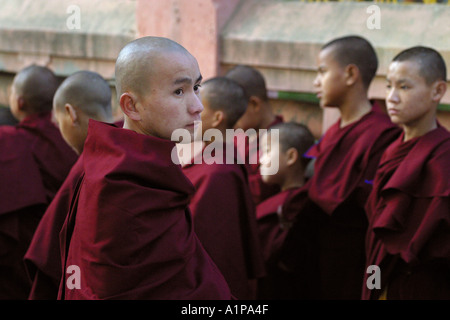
point(346, 159)
point(82, 96)
point(129, 230)
point(259, 115)
point(409, 208)
point(34, 162)
point(222, 206)
point(276, 214)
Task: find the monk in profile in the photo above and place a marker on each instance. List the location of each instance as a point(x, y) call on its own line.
point(82, 96)
point(346, 159)
point(129, 232)
point(258, 116)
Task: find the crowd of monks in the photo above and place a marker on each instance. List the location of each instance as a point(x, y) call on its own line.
point(95, 208)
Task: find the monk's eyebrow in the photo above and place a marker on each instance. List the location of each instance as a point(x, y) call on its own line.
point(187, 80)
point(399, 81)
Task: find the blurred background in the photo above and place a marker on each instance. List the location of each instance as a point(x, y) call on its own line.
point(281, 38)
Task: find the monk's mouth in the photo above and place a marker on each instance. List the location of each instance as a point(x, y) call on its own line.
point(393, 111)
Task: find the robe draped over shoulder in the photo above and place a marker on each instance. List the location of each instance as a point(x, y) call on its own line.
point(409, 219)
point(34, 162)
point(346, 160)
point(129, 228)
point(225, 220)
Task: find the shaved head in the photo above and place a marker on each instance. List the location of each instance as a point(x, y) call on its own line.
point(294, 135)
point(136, 62)
point(225, 95)
point(36, 85)
point(358, 51)
point(87, 91)
point(431, 63)
point(250, 79)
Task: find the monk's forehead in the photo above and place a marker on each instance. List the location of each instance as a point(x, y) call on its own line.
point(173, 63)
point(404, 70)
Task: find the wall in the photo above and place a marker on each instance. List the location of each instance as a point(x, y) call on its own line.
point(280, 38)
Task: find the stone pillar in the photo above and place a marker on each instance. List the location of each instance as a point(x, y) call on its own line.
point(195, 24)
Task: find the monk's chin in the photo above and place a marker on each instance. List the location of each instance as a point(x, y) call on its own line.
point(396, 120)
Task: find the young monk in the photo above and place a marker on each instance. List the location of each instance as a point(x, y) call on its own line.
point(222, 206)
point(259, 115)
point(276, 214)
point(34, 161)
point(409, 207)
point(345, 158)
point(82, 96)
point(129, 230)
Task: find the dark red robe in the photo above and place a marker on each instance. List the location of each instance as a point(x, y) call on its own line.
point(275, 217)
point(129, 228)
point(43, 257)
point(346, 161)
point(250, 152)
point(409, 216)
point(34, 162)
point(225, 221)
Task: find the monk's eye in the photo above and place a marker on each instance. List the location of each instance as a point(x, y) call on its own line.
point(404, 87)
point(179, 92)
point(197, 88)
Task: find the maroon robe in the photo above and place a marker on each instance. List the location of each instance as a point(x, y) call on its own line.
point(34, 162)
point(225, 221)
point(346, 161)
point(275, 217)
point(129, 228)
point(409, 216)
point(43, 257)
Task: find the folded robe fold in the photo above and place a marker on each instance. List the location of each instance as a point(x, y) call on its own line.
point(225, 220)
point(346, 162)
point(129, 228)
point(409, 219)
point(43, 257)
point(34, 162)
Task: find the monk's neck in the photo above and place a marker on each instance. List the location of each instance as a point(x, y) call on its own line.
point(267, 118)
point(354, 110)
point(294, 180)
point(419, 128)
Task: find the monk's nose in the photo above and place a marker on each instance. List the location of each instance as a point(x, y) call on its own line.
point(392, 95)
point(195, 105)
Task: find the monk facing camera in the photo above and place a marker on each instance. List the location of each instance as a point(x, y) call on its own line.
point(409, 207)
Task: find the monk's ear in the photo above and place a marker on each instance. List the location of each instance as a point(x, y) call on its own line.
point(254, 104)
point(292, 156)
point(218, 118)
point(21, 104)
point(439, 89)
point(71, 112)
point(128, 103)
point(351, 74)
